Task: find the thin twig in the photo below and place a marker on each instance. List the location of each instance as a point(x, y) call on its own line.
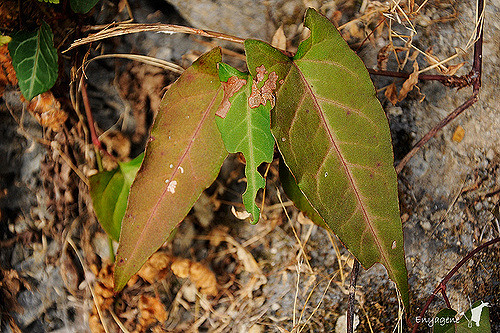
point(352, 297)
point(441, 288)
point(85, 271)
point(451, 81)
point(130, 28)
point(475, 79)
point(434, 131)
point(90, 120)
point(142, 58)
point(302, 250)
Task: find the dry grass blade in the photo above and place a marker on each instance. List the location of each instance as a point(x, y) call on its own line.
point(319, 303)
point(130, 28)
point(99, 312)
point(170, 66)
point(118, 322)
point(295, 233)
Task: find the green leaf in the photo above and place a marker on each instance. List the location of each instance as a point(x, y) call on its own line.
point(183, 157)
point(4, 39)
point(109, 191)
point(246, 129)
point(35, 60)
point(333, 135)
point(444, 322)
point(293, 192)
point(475, 320)
point(50, 1)
point(82, 6)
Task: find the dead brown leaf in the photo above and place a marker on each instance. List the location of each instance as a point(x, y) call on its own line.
point(391, 93)
point(199, 274)
point(47, 110)
point(383, 57)
point(459, 134)
point(156, 268)
point(279, 39)
point(7, 73)
point(9, 12)
point(180, 267)
point(117, 144)
point(10, 285)
point(151, 310)
point(452, 69)
point(410, 83)
point(203, 278)
point(95, 324)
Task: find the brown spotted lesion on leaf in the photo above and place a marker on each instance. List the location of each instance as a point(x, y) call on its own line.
point(261, 73)
point(231, 87)
point(266, 92)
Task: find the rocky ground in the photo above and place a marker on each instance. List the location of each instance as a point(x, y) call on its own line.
point(53, 252)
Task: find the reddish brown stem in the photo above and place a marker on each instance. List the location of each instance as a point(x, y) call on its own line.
point(441, 288)
point(434, 130)
point(90, 120)
point(474, 77)
point(452, 81)
point(446, 300)
point(370, 34)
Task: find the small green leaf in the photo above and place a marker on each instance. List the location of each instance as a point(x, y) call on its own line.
point(294, 193)
point(334, 137)
point(183, 157)
point(246, 129)
point(82, 6)
point(34, 58)
point(4, 39)
point(475, 320)
point(109, 192)
point(50, 1)
point(444, 322)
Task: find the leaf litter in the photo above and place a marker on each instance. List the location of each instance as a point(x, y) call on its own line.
point(57, 177)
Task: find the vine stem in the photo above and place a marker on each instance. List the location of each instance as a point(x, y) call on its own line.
point(441, 288)
point(473, 77)
point(452, 81)
point(352, 296)
point(90, 119)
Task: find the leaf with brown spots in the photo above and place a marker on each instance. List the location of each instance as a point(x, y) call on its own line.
point(334, 136)
point(232, 86)
point(246, 129)
point(182, 158)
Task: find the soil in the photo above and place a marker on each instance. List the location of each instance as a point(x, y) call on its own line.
point(55, 258)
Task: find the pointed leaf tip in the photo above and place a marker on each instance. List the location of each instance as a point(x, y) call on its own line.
point(109, 191)
point(183, 159)
point(333, 134)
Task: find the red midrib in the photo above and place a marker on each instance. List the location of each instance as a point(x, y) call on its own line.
point(186, 151)
point(348, 172)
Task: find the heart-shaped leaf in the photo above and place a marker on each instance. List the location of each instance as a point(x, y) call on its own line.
point(183, 158)
point(245, 127)
point(35, 60)
point(333, 134)
point(109, 191)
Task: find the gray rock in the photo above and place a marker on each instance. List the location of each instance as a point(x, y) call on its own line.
point(246, 18)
